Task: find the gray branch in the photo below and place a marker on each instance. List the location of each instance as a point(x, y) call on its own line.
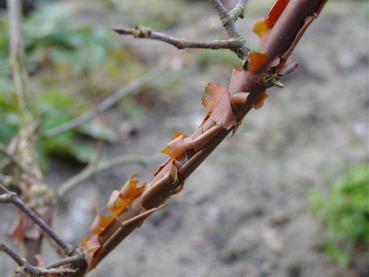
point(229, 18)
point(7, 196)
point(25, 267)
point(235, 45)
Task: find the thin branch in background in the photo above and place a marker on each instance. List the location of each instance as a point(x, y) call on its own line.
point(107, 103)
point(25, 267)
point(93, 170)
point(10, 197)
point(235, 45)
point(17, 56)
point(14, 161)
point(20, 77)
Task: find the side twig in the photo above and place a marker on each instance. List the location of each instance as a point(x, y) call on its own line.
point(238, 10)
point(229, 18)
point(25, 267)
point(235, 45)
point(74, 260)
point(10, 197)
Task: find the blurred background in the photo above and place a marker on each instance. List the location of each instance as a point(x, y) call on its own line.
point(286, 196)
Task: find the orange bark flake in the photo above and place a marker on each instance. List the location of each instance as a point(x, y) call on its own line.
point(100, 223)
point(177, 146)
point(256, 61)
point(119, 200)
point(262, 27)
point(20, 228)
point(217, 100)
point(90, 246)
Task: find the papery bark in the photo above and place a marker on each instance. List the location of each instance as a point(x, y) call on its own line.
point(289, 21)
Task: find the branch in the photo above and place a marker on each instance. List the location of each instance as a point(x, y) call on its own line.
point(11, 197)
point(34, 270)
point(75, 261)
point(247, 86)
point(92, 170)
point(107, 103)
point(235, 45)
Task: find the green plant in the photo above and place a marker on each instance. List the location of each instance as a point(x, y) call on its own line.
point(60, 54)
point(345, 212)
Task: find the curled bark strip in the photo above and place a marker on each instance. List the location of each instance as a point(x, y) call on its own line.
point(182, 143)
point(239, 98)
point(256, 61)
point(154, 189)
point(260, 101)
point(217, 100)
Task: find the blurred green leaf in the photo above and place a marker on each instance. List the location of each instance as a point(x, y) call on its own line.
point(345, 212)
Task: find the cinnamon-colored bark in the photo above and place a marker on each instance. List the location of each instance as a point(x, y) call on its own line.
point(284, 26)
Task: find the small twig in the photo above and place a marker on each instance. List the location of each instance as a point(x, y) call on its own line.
point(107, 103)
point(90, 171)
point(75, 260)
point(10, 197)
point(238, 10)
point(227, 20)
point(14, 161)
point(33, 270)
point(235, 45)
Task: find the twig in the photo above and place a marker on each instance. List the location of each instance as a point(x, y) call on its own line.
point(107, 103)
point(14, 161)
point(235, 45)
point(73, 261)
point(33, 270)
point(90, 171)
point(238, 10)
point(10, 197)
point(228, 21)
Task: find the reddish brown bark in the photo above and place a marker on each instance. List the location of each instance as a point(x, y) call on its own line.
point(284, 26)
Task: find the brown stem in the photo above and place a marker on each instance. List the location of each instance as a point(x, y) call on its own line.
point(10, 197)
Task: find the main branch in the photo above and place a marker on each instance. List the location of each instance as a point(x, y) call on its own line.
point(227, 106)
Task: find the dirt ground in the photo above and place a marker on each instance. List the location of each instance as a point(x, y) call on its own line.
point(245, 211)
